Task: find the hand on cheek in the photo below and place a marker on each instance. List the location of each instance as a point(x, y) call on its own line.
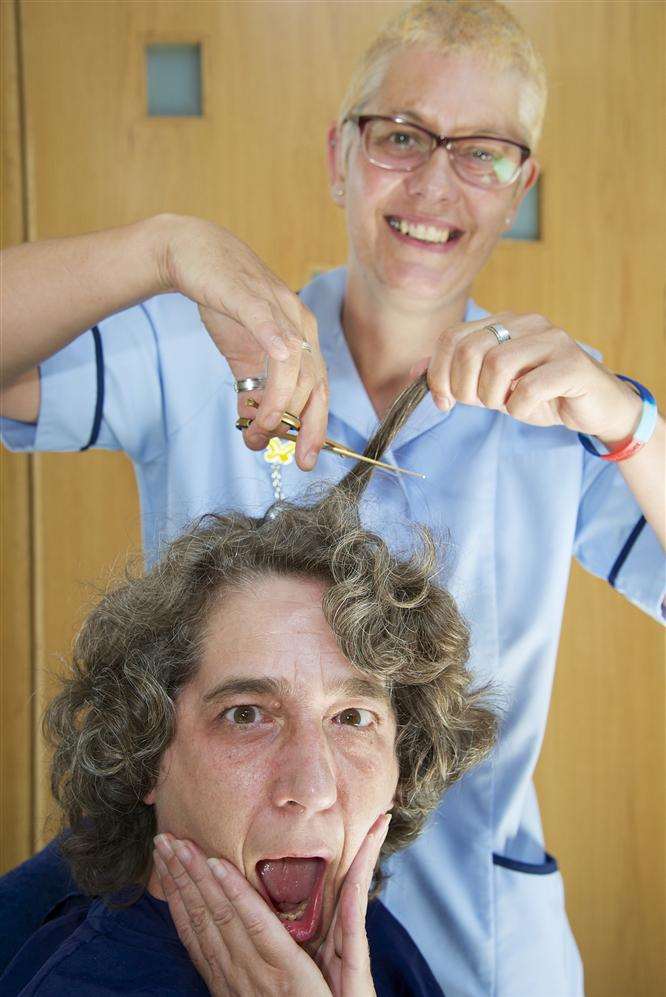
point(344, 957)
point(234, 940)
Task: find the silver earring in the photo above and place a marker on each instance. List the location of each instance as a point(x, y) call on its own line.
point(339, 191)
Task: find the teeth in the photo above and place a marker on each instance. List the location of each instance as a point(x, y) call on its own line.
point(294, 915)
point(426, 233)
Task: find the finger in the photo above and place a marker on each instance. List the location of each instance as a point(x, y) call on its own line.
point(251, 921)
point(314, 422)
point(300, 369)
point(206, 914)
point(359, 875)
point(356, 975)
point(536, 396)
point(181, 918)
point(281, 387)
point(440, 364)
point(365, 861)
point(504, 363)
point(466, 364)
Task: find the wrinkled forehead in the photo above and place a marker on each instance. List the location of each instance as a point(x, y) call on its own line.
point(275, 629)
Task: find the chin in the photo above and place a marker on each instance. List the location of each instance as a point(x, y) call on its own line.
point(423, 284)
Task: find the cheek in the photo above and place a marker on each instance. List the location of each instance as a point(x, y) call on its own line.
point(205, 794)
point(490, 212)
point(369, 779)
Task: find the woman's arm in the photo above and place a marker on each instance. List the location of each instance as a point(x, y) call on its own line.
point(541, 376)
point(54, 290)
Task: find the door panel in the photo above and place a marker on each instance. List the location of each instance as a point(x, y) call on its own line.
point(273, 75)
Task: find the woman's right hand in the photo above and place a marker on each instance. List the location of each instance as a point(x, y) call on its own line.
point(256, 322)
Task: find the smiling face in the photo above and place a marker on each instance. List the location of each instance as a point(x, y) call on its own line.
point(458, 94)
point(282, 749)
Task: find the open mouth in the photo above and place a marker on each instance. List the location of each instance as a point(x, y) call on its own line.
point(430, 236)
point(294, 889)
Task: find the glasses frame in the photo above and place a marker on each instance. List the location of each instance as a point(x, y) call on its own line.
point(439, 141)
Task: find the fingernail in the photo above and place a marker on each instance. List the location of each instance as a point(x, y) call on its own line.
point(163, 844)
point(309, 460)
point(218, 869)
point(442, 402)
point(182, 851)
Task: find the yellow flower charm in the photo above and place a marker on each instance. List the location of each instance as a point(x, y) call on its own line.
point(279, 451)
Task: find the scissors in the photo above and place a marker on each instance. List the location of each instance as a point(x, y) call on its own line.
point(293, 424)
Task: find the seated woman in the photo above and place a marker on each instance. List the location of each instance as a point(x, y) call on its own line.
point(255, 705)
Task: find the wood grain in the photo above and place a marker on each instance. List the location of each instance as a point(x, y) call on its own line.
point(16, 676)
point(273, 76)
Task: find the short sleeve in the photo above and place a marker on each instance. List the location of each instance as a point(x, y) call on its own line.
point(614, 541)
point(125, 384)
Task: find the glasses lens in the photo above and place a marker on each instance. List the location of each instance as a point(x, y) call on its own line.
point(395, 147)
point(485, 162)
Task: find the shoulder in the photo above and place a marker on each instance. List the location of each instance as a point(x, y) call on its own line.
point(398, 968)
point(117, 951)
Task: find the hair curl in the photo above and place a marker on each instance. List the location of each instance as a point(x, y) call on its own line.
point(116, 712)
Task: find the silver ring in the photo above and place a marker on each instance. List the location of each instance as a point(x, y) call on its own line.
point(306, 346)
point(500, 332)
point(250, 384)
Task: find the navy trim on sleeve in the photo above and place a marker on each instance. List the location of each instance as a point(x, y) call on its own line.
point(99, 403)
point(533, 868)
point(624, 553)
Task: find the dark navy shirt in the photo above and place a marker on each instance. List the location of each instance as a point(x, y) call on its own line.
point(93, 950)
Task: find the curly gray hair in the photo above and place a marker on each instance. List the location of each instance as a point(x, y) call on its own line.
point(115, 714)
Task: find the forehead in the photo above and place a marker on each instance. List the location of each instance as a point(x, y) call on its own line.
point(275, 627)
point(458, 93)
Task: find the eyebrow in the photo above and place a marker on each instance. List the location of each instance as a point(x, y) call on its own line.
point(355, 688)
point(477, 129)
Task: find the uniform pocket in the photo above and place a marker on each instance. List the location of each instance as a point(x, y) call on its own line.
point(535, 952)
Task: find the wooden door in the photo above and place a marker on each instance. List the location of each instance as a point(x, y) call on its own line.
point(81, 153)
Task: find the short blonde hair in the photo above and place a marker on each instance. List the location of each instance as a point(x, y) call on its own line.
point(453, 26)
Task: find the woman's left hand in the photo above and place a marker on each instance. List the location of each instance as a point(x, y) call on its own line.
point(343, 956)
point(539, 376)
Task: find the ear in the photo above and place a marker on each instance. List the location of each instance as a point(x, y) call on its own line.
point(532, 171)
point(335, 165)
point(530, 176)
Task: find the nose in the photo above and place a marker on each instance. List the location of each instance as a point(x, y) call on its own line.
point(305, 772)
point(435, 180)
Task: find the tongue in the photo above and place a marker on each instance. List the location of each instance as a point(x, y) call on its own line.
point(289, 881)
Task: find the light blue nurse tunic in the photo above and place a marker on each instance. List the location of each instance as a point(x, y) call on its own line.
point(511, 503)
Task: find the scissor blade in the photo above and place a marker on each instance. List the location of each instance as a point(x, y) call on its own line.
point(352, 455)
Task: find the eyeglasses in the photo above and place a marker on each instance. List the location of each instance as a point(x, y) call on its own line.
point(393, 143)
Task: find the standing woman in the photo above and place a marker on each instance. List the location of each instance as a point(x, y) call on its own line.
point(430, 159)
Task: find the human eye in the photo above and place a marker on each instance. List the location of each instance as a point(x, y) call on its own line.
point(402, 139)
point(355, 717)
point(482, 155)
point(244, 715)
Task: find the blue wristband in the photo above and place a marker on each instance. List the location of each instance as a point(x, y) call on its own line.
point(643, 432)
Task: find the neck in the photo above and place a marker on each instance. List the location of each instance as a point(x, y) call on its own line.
point(388, 334)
